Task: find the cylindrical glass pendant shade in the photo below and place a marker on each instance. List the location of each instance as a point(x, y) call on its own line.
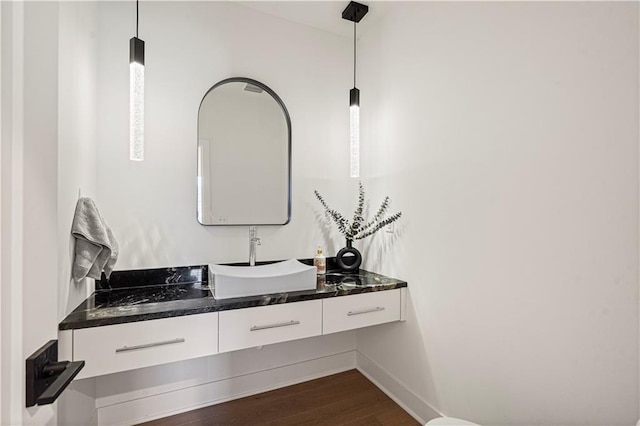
point(355, 141)
point(136, 100)
point(354, 145)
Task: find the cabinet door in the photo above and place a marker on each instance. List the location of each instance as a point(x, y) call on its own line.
point(250, 327)
point(122, 347)
point(360, 310)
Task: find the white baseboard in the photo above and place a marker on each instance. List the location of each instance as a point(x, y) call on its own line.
point(413, 404)
point(191, 398)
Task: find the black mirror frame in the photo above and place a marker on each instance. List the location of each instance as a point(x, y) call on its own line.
point(277, 98)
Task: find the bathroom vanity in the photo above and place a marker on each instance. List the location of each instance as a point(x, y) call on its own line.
point(143, 318)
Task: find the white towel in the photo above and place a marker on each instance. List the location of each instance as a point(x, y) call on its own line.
point(96, 247)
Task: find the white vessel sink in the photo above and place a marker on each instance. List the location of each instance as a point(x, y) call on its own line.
point(281, 277)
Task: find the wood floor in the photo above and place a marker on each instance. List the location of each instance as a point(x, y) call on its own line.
point(341, 399)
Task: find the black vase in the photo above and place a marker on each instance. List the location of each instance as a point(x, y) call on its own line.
point(349, 258)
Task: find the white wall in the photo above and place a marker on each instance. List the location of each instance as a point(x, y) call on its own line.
point(78, 137)
point(5, 82)
point(77, 172)
point(507, 133)
point(151, 205)
point(6, 133)
point(29, 198)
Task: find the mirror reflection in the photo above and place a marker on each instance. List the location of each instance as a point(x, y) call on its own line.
point(244, 155)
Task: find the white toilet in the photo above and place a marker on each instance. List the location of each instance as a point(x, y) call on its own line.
point(449, 421)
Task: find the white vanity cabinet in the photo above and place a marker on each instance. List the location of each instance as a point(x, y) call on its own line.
point(263, 325)
point(360, 310)
point(122, 347)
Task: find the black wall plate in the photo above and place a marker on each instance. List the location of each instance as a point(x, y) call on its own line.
point(46, 377)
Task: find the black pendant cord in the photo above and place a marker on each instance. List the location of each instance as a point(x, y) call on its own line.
point(354, 53)
point(137, 19)
point(136, 46)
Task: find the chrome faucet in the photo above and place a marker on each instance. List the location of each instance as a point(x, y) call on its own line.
point(253, 242)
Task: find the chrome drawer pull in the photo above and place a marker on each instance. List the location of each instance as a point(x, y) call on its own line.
point(365, 311)
point(281, 324)
point(149, 345)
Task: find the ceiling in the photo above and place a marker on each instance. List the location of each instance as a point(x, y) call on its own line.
point(323, 15)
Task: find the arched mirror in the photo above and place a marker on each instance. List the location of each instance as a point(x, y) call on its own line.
point(244, 155)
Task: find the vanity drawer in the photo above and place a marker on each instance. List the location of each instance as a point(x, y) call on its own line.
point(360, 310)
point(250, 327)
point(122, 347)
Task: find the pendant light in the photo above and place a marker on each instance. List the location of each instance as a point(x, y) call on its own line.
point(136, 96)
point(354, 13)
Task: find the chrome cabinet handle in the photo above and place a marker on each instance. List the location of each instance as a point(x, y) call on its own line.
point(280, 324)
point(149, 345)
point(365, 311)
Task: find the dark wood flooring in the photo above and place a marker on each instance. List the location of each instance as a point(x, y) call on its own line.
point(341, 399)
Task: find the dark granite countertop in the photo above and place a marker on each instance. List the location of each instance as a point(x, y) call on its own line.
point(130, 296)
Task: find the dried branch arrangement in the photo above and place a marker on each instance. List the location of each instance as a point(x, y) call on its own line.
point(358, 228)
